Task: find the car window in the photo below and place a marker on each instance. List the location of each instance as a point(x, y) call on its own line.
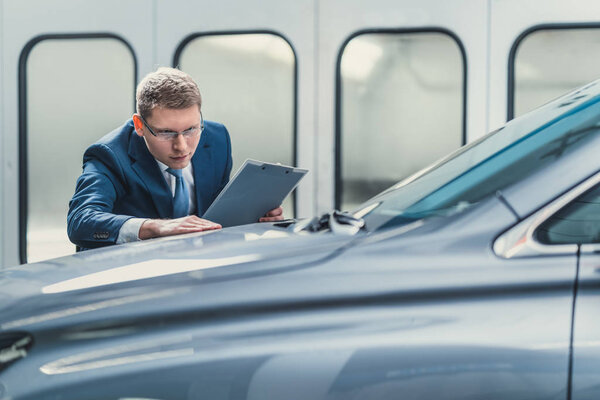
point(577, 223)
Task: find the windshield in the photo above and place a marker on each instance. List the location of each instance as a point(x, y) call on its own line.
point(489, 164)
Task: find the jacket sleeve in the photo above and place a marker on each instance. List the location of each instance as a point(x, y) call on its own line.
point(90, 220)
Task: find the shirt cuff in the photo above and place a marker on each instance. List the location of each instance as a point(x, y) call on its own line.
point(130, 230)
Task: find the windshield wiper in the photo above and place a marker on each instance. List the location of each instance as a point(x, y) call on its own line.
point(338, 222)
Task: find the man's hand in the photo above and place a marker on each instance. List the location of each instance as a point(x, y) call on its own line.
point(274, 215)
point(168, 227)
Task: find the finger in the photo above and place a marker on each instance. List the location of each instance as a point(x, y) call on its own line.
point(206, 222)
point(208, 225)
point(199, 220)
point(193, 220)
point(211, 225)
point(199, 228)
point(275, 212)
point(204, 228)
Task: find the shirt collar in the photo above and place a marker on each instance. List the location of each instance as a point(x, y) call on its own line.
point(163, 167)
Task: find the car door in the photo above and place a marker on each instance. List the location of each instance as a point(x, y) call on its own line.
point(586, 330)
point(585, 218)
point(572, 222)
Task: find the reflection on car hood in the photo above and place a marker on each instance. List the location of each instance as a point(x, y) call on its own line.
point(154, 269)
point(245, 270)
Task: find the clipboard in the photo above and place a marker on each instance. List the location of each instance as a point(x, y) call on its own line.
point(255, 189)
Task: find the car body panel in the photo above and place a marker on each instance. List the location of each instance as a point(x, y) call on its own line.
point(437, 292)
point(586, 330)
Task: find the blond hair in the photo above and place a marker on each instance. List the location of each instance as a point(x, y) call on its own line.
point(166, 88)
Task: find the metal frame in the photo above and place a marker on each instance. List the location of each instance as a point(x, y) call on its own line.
point(338, 93)
point(510, 106)
point(23, 159)
point(181, 46)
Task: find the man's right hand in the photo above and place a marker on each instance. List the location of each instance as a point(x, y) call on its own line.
point(153, 228)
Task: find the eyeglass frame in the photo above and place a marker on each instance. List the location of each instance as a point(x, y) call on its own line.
point(171, 134)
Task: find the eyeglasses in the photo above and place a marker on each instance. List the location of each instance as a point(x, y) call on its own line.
point(165, 136)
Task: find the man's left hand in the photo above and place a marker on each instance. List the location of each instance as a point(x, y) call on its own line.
point(274, 215)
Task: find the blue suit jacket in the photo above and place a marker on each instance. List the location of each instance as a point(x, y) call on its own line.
point(122, 180)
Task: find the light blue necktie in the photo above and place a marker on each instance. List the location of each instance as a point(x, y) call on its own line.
point(181, 200)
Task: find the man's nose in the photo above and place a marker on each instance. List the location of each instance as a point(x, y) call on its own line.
point(179, 142)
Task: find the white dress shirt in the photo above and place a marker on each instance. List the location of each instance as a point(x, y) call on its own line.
point(130, 230)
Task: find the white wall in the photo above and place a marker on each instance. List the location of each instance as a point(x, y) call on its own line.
point(317, 30)
point(23, 20)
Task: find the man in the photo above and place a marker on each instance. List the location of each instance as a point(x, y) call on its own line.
point(155, 175)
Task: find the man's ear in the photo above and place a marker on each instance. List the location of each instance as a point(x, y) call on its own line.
point(138, 124)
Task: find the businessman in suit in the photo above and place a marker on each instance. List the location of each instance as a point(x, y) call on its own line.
point(155, 175)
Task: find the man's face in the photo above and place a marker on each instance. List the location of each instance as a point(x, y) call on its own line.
point(177, 152)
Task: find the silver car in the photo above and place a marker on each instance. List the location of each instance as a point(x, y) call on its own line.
point(477, 278)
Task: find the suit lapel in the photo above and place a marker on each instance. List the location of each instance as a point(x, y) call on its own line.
point(203, 175)
point(147, 169)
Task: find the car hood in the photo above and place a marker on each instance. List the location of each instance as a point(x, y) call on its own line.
point(248, 269)
point(161, 270)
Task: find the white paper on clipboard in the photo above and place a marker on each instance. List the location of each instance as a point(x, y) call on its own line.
point(255, 189)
